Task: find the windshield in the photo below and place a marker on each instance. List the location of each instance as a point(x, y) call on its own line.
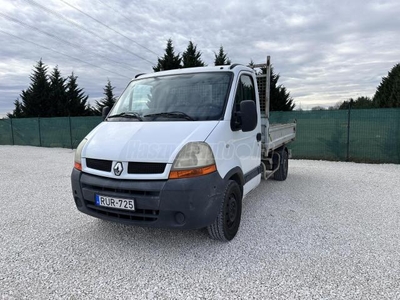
point(199, 96)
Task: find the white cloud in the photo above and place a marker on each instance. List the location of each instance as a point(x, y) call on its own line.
point(325, 52)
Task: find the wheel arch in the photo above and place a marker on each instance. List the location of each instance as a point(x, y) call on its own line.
point(236, 175)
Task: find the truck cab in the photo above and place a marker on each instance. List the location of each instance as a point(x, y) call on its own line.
point(179, 149)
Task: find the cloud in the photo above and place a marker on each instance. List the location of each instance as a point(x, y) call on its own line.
point(325, 52)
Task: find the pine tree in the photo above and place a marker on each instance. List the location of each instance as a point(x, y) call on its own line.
point(77, 104)
point(35, 100)
point(221, 58)
point(170, 61)
point(108, 100)
point(251, 64)
point(50, 96)
point(191, 57)
point(280, 99)
point(388, 91)
point(279, 96)
point(17, 112)
point(58, 97)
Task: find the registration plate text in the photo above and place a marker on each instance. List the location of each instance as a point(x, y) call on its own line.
point(112, 202)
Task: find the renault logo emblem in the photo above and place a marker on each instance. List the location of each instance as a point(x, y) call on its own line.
point(118, 168)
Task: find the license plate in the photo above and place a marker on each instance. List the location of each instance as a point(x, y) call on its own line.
point(128, 204)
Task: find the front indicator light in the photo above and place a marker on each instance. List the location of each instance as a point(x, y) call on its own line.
point(192, 173)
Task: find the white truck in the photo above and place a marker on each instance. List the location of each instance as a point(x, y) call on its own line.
point(181, 149)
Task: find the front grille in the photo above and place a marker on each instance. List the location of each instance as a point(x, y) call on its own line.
point(99, 164)
point(141, 215)
point(146, 168)
point(133, 167)
point(146, 200)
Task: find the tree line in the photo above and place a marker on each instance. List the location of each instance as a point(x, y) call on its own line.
point(51, 95)
point(387, 95)
point(190, 58)
point(280, 99)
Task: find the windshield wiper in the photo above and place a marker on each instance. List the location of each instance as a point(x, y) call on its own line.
point(134, 115)
point(171, 114)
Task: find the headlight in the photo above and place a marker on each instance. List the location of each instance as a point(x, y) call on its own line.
point(78, 155)
point(195, 159)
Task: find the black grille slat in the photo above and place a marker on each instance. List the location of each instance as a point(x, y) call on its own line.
point(98, 189)
point(146, 168)
point(144, 215)
point(99, 164)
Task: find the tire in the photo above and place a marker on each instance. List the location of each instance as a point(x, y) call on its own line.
point(282, 172)
point(226, 225)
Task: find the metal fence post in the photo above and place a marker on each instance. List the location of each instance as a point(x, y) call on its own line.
point(40, 134)
point(348, 130)
point(70, 131)
point(12, 131)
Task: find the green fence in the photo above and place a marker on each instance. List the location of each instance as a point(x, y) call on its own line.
point(362, 135)
point(46, 132)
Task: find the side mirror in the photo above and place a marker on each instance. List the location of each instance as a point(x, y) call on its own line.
point(248, 114)
point(105, 111)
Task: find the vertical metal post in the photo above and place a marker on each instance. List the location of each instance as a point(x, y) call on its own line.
point(348, 130)
point(268, 87)
point(40, 134)
point(12, 131)
point(70, 131)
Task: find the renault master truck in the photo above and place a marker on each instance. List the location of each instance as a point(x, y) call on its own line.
point(181, 149)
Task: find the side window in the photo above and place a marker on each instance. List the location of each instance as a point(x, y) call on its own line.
point(245, 90)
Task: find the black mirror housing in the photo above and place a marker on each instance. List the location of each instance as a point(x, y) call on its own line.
point(248, 114)
point(105, 111)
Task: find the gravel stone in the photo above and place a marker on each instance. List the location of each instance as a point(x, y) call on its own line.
point(330, 231)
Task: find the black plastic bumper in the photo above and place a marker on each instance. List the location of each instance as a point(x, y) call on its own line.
point(177, 203)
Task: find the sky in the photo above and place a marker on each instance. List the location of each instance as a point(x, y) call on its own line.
point(324, 51)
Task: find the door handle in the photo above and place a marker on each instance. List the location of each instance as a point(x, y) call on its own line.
point(258, 137)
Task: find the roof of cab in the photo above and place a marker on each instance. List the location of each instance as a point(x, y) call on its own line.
point(230, 68)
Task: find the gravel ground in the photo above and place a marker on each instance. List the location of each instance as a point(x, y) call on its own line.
point(330, 231)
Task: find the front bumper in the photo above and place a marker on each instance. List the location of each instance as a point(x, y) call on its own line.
point(178, 203)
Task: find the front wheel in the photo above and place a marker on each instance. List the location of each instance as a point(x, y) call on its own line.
point(226, 225)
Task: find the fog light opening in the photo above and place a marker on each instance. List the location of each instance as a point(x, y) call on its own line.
point(180, 218)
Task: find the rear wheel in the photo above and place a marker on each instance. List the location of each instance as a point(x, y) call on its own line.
point(226, 225)
point(281, 173)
